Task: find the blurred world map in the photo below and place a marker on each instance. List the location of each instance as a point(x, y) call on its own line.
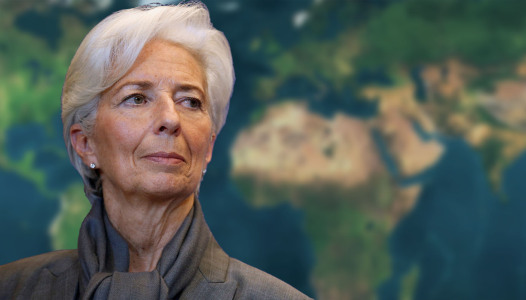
point(373, 149)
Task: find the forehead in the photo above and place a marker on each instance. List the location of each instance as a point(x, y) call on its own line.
point(165, 61)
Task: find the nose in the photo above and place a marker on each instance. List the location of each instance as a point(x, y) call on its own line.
point(167, 117)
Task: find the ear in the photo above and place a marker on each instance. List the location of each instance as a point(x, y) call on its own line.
point(208, 156)
point(82, 144)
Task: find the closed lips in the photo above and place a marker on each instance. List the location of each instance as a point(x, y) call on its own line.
point(165, 157)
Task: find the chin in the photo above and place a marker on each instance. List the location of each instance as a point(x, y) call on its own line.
point(170, 188)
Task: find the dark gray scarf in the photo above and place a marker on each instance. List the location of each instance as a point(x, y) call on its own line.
point(104, 259)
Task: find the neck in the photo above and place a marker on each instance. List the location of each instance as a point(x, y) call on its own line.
point(146, 225)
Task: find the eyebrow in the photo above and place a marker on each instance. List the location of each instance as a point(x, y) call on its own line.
point(141, 84)
point(144, 85)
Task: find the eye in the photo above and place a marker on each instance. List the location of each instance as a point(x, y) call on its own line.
point(135, 99)
point(191, 102)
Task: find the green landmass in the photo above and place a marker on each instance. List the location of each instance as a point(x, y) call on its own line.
point(32, 76)
point(348, 228)
point(74, 206)
point(417, 32)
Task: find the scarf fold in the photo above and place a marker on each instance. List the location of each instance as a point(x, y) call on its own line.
point(104, 259)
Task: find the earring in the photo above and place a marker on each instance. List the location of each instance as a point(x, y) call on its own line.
point(92, 165)
point(204, 172)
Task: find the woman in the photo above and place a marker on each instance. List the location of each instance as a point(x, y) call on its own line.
point(143, 101)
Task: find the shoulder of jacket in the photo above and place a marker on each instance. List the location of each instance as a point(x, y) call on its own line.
point(55, 262)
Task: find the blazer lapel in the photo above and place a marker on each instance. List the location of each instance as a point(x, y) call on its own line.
point(214, 263)
point(211, 280)
point(66, 284)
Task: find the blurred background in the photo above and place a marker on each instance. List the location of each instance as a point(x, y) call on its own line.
point(374, 149)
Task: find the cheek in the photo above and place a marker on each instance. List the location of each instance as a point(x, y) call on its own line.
point(198, 143)
point(115, 136)
point(200, 138)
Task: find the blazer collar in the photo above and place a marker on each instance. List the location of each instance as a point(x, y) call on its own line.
point(214, 263)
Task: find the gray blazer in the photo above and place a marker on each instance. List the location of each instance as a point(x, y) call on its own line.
point(55, 275)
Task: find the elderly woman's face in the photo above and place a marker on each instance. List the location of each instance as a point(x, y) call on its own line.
point(153, 133)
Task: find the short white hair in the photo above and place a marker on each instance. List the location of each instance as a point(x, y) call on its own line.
point(110, 49)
